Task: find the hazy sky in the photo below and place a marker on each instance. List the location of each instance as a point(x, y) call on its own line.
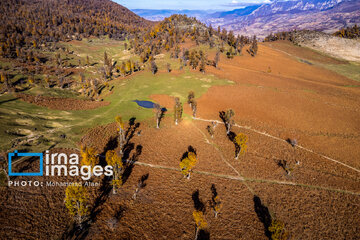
point(188, 4)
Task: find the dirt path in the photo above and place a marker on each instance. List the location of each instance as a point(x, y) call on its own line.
point(242, 179)
point(279, 139)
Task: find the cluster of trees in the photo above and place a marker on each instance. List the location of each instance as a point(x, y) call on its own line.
point(280, 36)
point(32, 23)
point(349, 32)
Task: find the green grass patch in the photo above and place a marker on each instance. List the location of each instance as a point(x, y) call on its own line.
point(350, 70)
point(19, 119)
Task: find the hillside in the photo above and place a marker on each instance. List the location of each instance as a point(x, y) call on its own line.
point(30, 22)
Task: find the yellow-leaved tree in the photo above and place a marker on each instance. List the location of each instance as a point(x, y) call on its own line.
point(240, 142)
point(77, 202)
point(187, 164)
point(114, 160)
point(200, 222)
point(121, 131)
point(278, 231)
point(89, 157)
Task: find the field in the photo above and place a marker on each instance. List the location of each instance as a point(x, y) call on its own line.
point(284, 92)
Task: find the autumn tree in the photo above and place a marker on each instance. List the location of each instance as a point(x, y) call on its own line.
point(215, 202)
point(77, 203)
point(202, 66)
point(58, 59)
point(153, 66)
point(253, 47)
point(240, 142)
point(227, 118)
point(187, 164)
point(178, 109)
point(89, 156)
point(194, 59)
point(194, 108)
point(87, 61)
point(277, 230)
point(114, 160)
point(200, 222)
point(230, 53)
point(108, 65)
point(190, 98)
point(159, 113)
point(288, 168)
point(47, 81)
point(121, 133)
point(211, 129)
point(168, 67)
point(217, 59)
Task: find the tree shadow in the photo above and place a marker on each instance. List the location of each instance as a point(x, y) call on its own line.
point(191, 149)
point(263, 214)
point(162, 115)
point(120, 212)
point(130, 132)
point(129, 163)
point(111, 145)
point(292, 142)
point(198, 204)
point(142, 180)
point(222, 116)
point(203, 235)
point(214, 193)
point(27, 164)
point(9, 100)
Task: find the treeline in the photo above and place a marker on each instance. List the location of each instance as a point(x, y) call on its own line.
point(349, 32)
point(32, 23)
point(280, 36)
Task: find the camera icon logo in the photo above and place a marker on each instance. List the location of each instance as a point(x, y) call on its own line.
point(16, 153)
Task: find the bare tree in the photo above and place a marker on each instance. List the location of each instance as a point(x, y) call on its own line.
point(141, 185)
point(178, 109)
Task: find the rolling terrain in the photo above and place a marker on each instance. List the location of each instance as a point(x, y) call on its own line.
point(298, 105)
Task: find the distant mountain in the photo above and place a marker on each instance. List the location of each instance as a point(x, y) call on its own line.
point(234, 13)
point(295, 6)
point(160, 14)
point(323, 15)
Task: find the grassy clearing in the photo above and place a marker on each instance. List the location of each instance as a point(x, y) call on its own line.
point(23, 119)
point(351, 70)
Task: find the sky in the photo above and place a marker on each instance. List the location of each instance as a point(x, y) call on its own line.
point(189, 4)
